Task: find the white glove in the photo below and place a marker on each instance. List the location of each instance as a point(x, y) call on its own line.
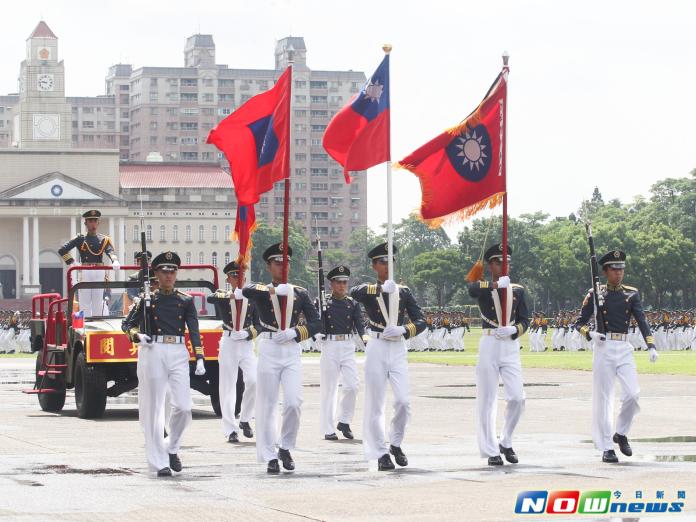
point(394, 331)
point(285, 336)
point(596, 336)
point(389, 286)
point(319, 336)
point(74, 278)
point(653, 355)
point(503, 282)
point(200, 367)
point(238, 294)
point(505, 331)
point(240, 335)
point(144, 340)
point(282, 289)
point(115, 265)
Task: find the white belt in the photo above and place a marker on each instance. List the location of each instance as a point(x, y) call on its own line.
point(488, 331)
point(168, 339)
point(339, 337)
point(380, 335)
point(267, 335)
point(228, 333)
point(616, 336)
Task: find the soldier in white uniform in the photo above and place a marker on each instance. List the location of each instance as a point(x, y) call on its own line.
point(236, 351)
point(279, 362)
point(613, 356)
point(499, 357)
point(92, 247)
point(163, 363)
point(394, 316)
point(341, 320)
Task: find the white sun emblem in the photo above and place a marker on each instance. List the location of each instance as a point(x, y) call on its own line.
point(471, 150)
point(373, 91)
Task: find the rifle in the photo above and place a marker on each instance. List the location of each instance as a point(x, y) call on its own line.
point(322, 291)
point(145, 284)
point(597, 295)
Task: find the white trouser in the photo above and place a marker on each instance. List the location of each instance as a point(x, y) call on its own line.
point(611, 360)
point(233, 356)
point(385, 361)
point(337, 360)
point(162, 367)
point(91, 300)
point(279, 365)
point(498, 358)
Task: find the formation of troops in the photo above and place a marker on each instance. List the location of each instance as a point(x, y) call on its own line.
point(14, 331)
point(384, 319)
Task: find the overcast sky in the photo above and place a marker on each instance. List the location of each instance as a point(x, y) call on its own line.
point(601, 93)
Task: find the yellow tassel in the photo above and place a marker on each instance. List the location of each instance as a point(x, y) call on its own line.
point(476, 272)
point(464, 213)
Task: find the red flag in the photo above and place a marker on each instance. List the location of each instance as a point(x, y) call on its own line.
point(256, 139)
point(462, 170)
point(244, 227)
point(357, 137)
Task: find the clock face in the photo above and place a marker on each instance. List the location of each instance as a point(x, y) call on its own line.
point(46, 126)
point(45, 82)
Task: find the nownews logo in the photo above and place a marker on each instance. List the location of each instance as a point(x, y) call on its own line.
point(592, 503)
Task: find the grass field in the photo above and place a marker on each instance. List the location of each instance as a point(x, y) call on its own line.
point(672, 362)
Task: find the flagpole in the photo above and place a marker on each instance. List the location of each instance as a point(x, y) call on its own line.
point(286, 205)
point(390, 225)
point(504, 294)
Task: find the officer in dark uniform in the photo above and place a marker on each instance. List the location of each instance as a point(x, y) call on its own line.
point(499, 357)
point(91, 247)
point(613, 355)
point(163, 364)
point(385, 359)
point(279, 358)
point(236, 357)
point(342, 317)
point(133, 292)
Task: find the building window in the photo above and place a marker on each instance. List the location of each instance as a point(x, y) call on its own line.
point(162, 233)
point(136, 233)
point(175, 232)
point(227, 258)
point(201, 233)
point(214, 233)
point(188, 258)
point(201, 258)
point(148, 233)
point(214, 259)
point(228, 233)
point(188, 232)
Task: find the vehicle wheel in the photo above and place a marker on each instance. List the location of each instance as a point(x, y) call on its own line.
point(90, 389)
point(52, 402)
point(215, 395)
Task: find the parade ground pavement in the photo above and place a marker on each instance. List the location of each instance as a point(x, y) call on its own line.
point(59, 467)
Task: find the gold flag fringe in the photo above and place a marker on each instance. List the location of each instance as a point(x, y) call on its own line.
point(464, 213)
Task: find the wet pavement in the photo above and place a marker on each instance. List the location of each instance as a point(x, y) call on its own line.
point(59, 467)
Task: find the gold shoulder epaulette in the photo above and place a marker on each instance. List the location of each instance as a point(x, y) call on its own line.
point(631, 288)
point(182, 293)
point(262, 288)
point(516, 285)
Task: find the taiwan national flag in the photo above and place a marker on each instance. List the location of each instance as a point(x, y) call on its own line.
point(78, 319)
point(244, 227)
point(255, 139)
point(462, 170)
point(358, 136)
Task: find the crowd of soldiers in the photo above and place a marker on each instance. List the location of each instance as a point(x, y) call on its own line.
point(14, 331)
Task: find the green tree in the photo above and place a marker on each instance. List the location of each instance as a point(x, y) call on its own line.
point(439, 272)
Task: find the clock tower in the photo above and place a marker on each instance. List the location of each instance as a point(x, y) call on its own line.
point(42, 119)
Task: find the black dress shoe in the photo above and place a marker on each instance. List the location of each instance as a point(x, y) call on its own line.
point(286, 458)
point(495, 461)
point(509, 453)
point(246, 429)
point(610, 456)
point(331, 436)
point(624, 446)
point(385, 463)
point(399, 456)
point(164, 472)
point(165, 433)
point(273, 467)
point(345, 429)
point(174, 462)
point(233, 437)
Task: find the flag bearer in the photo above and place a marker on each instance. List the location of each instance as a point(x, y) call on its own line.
point(499, 358)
